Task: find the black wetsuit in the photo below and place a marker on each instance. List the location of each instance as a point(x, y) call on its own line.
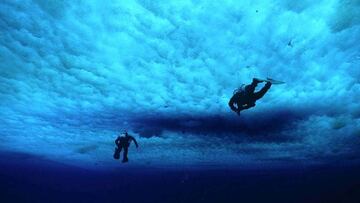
point(124, 142)
point(247, 98)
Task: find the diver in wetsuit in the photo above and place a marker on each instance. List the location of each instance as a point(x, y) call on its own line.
point(124, 142)
point(246, 97)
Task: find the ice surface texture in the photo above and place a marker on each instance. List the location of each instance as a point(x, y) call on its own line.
point(73, 74)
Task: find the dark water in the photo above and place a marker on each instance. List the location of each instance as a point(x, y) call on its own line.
point(26, 178)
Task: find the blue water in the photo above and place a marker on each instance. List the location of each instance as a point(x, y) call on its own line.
point(75, 74)
point(38, 180)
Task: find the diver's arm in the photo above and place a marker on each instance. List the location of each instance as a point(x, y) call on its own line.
point(136, 144)
point(251, 87)
point(231, 104)
point(117, 140)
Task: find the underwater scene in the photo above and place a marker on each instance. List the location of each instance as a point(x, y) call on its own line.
point(180, 101)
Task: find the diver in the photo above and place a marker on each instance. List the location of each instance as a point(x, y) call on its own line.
point(124, 142)
point(245, 97)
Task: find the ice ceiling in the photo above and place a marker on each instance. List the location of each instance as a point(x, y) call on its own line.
point(74, 74)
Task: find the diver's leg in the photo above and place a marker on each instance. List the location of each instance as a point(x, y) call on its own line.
point(251, 88)
point(125, 159)
point(262, 92)
point(120, 149)
point(117, 152)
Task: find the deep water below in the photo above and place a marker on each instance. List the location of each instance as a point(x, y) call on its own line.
point(25, 178)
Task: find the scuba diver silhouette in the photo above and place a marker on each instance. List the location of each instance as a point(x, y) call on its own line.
point(123, 142)
point(245, 97)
